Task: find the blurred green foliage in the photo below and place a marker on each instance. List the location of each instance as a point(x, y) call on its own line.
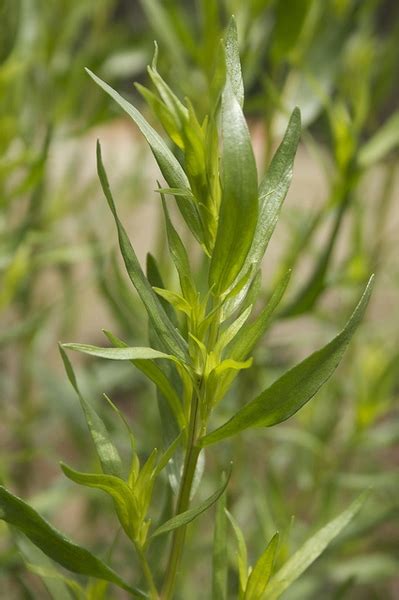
point(338, 60)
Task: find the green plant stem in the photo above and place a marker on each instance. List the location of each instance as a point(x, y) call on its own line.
point(190, 463)
point(147, 574)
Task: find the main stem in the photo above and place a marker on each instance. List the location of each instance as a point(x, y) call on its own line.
point(183, 501)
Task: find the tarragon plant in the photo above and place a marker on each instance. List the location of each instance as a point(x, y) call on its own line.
point(201, 337)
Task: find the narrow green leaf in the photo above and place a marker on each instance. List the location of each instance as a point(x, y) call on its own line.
point(157, 376)
point(307, 554)
point(242, 555)
point(219, 558)
point(16, 512)
point(232, 330)
point(233, 65)
point(107, 453)
point(296, 387)
point(178, 254)
point(162, 324)
point(124, 353)
point(274, 187)
point(247, 338)
point(167, 162)
point(239, 206)
point(189, 515)
point(115, 487)
point(176, 300)
point(155, 279)
point(262, 571)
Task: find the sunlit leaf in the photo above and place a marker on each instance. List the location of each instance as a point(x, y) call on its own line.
point(296, 387)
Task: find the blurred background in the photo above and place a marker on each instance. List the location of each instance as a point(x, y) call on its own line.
point(61, 277)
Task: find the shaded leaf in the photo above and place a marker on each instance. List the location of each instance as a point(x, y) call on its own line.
point(233, 65)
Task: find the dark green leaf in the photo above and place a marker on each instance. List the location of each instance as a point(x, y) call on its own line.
point(296, 387)
point(16, 512)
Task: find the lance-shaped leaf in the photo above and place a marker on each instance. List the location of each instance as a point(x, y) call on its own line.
point(179, 254)
point(16, 512)
point(307, 554)
point(157, 376)
point(247, 338)
point(233, 65)
point(219, 554)
point(242, 554)
point(125, 353)
point(161, 322)
point(239, 206)
point(107, 453)
point(261, 573)
point(274, 187)
point(167, 162)
point(296, 387)
point(115, 487)
point(192, 513)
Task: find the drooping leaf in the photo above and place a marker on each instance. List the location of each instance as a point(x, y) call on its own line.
point(169, 165)
point(296, 387)
point(219, 556)
point(107, 453)
point(16, 512)
point(239, 205)
point(261, 573)
point(116, 488)
point(161, 322)
point(307, 554)
point(192, 513)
